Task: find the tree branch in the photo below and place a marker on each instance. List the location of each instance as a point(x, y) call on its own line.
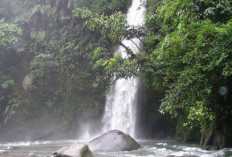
point(136, 45)
point(128, 50)
point(114, 81)
point(139, 39)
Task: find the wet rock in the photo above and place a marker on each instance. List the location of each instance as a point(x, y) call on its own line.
point(209, 148)
point(75, 150)
point(32, 155)
point(113, 140)
point(2, 151)
point(12, 148)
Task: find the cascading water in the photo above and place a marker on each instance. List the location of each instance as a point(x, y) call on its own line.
point(121, 101)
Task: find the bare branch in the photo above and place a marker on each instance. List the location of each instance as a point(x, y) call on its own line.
point(140, 39)
point(114, 81)
point(136, 45)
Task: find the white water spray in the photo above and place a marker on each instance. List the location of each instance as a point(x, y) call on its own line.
point(121, 101)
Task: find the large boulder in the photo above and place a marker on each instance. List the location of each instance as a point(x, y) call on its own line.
point(112, 141)
point(75, 150)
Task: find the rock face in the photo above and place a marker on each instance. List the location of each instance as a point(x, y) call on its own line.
point(75, 150)
point(27, 81)
point(113, 140)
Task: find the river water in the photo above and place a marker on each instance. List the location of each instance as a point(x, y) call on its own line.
point(150, 148)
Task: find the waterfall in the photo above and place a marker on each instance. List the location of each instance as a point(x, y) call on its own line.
point(121, 101)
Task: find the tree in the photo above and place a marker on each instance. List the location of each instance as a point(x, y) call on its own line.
point(113, 29)
point(191, 59)
point(9, 34)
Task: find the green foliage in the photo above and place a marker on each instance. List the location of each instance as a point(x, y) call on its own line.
point(189, 44)
point(43, 63)
point(175, 13)
point(111, 27)
point(197, 53)
point(8, 101)
point(8, 33)
point(57, 53)
point(7, 83)
point(103, 6)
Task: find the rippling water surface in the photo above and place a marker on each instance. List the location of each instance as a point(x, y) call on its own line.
point(153, 148)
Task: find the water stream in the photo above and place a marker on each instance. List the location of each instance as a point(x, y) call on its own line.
point(121, 102)
point(150, 148)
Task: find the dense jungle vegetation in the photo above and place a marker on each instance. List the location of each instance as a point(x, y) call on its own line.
point(56, 59)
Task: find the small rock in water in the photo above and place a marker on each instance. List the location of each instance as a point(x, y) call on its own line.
point(209, 148)
point(2, 151)
point(12, 148)
point(75, 150)
point(113, 140)
point(31, 155)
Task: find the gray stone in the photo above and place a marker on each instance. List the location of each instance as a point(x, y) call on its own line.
point(112, 141)
point(31, 155)
point(75, 150)
point(12, 148)
point(210, 148)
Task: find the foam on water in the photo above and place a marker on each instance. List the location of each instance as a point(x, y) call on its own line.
point(163, 144)
point(15, 144)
